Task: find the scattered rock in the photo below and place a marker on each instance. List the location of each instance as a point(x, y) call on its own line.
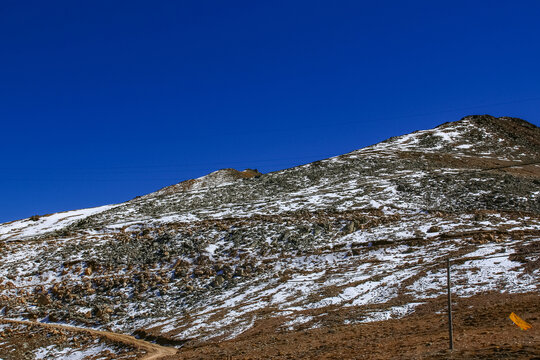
point(44, 299)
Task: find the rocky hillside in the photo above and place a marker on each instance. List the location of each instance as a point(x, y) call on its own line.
point(355, 238)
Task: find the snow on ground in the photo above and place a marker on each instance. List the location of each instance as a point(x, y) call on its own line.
point(379, 276)
point(397, 253)
point(52, 352)
point(21, 229)
point(376, 276)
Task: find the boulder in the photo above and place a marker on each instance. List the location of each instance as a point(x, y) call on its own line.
point(44, 299)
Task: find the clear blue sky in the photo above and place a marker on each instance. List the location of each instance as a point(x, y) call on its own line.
point(101, 101)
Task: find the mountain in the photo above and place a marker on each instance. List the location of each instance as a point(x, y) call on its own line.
point(356, 238)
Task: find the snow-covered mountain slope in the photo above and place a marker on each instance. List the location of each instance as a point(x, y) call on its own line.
point(36, 224)
point(358, 237)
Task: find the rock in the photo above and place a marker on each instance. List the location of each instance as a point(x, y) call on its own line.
point(434, 229)
point(198, 272)
point(359, 224)
point(401, 188)
point(44, 299)
point(349, 228)
point(479, 217)
point(219, 280)
point(239, 272)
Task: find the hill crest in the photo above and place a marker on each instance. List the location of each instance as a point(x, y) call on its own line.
point(359, 237)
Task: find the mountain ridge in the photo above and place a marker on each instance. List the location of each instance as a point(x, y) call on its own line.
point(531, 134)
point(354, 238)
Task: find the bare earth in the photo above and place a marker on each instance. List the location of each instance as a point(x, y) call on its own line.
point(482, 330)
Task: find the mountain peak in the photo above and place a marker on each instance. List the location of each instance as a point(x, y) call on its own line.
point(473, 135)
point(482, 117)
point(214, 179)
point(486, 119)
point(361, 233)
point(515, 131)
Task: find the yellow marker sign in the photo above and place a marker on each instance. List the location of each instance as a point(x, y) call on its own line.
point(520, 322)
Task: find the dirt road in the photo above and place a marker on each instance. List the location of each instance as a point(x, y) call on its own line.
point(482, 330)
point(153, 351)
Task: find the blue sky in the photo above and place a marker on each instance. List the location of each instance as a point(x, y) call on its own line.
point(102, 101)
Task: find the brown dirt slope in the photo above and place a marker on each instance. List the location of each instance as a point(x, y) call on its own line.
point(482, 330)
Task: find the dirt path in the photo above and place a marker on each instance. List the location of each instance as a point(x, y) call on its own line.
point(153, 351)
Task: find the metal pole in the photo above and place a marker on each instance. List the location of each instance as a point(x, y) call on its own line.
point(450, 330)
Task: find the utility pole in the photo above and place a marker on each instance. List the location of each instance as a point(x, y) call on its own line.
point(448, 283)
